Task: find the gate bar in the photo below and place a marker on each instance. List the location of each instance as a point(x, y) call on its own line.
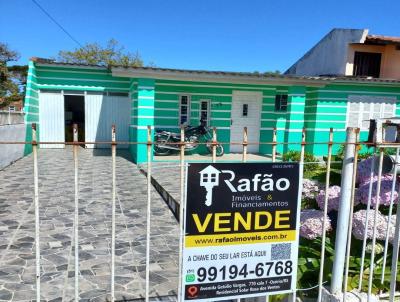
point(148, 222)
point(274, 145)
point(113, 153)
point(181, 210)
point(214, 145)
point(371, 177)
point(327, 181)
point(395, 255)
point(37, 216)
point(293, 296)
point(390, 215)
point(76, 220)
point(244, 154)
point(378, 192)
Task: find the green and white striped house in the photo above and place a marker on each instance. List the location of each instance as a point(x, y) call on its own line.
point(133, 98)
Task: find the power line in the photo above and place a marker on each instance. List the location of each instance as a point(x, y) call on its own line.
point(58, 24)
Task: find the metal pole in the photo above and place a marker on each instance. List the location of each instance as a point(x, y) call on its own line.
point(244, 155)
point(327, 181)
point(395, 254)
point(148, 222)
point(274, 145)
point(371, 177)
point(214, 145)
point(37, 216)
point(350, 226)
point(113, 154)
point(378, 192)
point(343, 213)
point(181, 210)
point(76, 220)
point(390, 215)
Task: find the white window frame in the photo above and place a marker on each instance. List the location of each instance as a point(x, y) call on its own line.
point(371, 101)
point(188, 109)
point(208, 101)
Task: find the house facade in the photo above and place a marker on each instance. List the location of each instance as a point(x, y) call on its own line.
point(96, 97)
point(351, 52)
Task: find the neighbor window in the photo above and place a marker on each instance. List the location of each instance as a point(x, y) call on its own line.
point(360, 109)
point(205, 112)
point(184, 110)
point(367, 64)
point(281, 101)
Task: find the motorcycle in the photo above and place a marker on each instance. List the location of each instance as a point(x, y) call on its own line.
point(167, 142)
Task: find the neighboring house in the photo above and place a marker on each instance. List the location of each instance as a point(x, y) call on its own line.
point(351, 52)
point(59, 94)
point(13, 106)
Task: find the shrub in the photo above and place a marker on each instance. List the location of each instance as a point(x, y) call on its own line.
point(308, 158)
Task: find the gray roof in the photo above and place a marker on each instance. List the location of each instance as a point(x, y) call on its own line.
point(230, 74)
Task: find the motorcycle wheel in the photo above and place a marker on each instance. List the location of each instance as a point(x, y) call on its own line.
point(219, 149)
point(160, 150)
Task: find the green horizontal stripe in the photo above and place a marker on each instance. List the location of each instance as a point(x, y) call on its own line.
point(174, 114)
point(83, 83)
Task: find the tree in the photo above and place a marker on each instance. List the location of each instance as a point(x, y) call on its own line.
point(112, 54)
point(11, 78)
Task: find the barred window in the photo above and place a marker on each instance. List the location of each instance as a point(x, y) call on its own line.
point(184, 110)
point(281, 101)
point(205, 112)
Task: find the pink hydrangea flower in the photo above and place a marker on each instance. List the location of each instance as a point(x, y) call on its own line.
point(311, 222)
point(385, 193)
point(359, 219)
point(310, 188)
point(364, 170)
point(333, 198)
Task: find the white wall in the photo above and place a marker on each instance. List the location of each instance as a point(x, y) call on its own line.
point(11, 153)
point(7, 117)
point(328, 56)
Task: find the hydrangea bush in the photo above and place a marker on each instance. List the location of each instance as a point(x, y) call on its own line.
point(364, 170)
point(311, 222)
point(333, 198)
point(385, 192)
point(359, 219)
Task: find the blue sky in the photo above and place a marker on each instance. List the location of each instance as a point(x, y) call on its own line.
point(246, 35)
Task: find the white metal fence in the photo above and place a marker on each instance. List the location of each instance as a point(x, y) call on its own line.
point(352, 274)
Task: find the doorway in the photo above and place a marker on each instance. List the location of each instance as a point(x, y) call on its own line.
point(246, 112)
point(74, 108)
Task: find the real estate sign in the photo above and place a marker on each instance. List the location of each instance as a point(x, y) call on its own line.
point(241, 230)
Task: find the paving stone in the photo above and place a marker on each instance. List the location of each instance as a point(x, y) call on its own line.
point(55, 244)
point(5, 294)
point(87, 247)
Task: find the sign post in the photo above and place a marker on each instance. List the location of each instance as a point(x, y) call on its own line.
point(241, 230)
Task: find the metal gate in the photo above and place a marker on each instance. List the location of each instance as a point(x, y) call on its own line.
point(362, 253)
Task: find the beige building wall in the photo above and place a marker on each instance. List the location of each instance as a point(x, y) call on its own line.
point(390, 64)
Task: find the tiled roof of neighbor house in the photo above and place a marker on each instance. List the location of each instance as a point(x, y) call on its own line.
point(238, 75)
point(380, 39)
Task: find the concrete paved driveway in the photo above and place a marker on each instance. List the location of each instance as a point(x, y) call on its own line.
point(17, 258)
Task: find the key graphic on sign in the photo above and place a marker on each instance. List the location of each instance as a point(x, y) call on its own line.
point(209, 178)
